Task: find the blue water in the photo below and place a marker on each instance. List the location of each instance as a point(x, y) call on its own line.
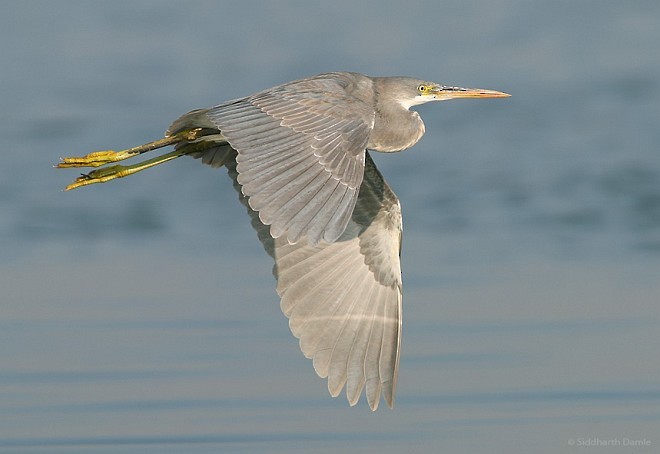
point(140, 315)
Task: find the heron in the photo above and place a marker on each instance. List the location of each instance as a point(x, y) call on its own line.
point(298, 155)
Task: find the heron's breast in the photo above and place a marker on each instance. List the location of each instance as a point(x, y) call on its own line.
point(393, 133)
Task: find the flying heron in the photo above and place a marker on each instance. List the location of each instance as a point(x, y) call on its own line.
point(298, 156)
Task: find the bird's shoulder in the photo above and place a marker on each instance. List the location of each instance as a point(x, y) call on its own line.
point(333, 84)
point(341, 95)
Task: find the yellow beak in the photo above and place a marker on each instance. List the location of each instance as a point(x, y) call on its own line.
point(458, 92)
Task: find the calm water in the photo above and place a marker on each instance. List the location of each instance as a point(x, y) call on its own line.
point(140, 316)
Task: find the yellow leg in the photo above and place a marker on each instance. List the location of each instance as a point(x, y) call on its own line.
point(99, 158)
point(120, 171)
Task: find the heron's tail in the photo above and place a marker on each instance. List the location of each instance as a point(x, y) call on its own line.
point(211, 146)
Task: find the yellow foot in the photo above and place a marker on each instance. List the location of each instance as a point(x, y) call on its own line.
point(98, 176)
point(99, 158)
point(120, 171)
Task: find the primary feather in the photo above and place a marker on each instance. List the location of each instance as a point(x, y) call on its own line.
point(343, 299)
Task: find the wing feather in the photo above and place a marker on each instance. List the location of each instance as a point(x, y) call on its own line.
point(355, 374)
point(373, 383)
point(346, 339)
point(288, 182)
point(323, 284)
point(318, 120)
point(343, 299)
point(340, 215)
point(316, 308)
point(311, 211)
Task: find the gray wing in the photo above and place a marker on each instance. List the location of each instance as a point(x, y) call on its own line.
point(343, 299)
point(300, 154)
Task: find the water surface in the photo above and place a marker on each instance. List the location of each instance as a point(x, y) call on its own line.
point(140, 316)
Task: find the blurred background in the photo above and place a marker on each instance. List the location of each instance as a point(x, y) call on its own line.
point(141, 316)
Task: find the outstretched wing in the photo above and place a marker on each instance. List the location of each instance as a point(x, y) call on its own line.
point(301, 151)
point(343, 299)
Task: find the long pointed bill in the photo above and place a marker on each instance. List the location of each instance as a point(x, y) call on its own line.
point(458, 92)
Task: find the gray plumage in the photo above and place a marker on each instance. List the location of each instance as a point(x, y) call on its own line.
point(343, 299)
point(301, 152)
point(297, 154)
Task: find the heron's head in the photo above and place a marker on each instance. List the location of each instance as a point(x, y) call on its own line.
point(412, 92)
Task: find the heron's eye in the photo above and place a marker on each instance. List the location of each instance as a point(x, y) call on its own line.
point(422, 88)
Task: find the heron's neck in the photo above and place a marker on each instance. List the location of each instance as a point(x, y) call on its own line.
point(395, 127)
